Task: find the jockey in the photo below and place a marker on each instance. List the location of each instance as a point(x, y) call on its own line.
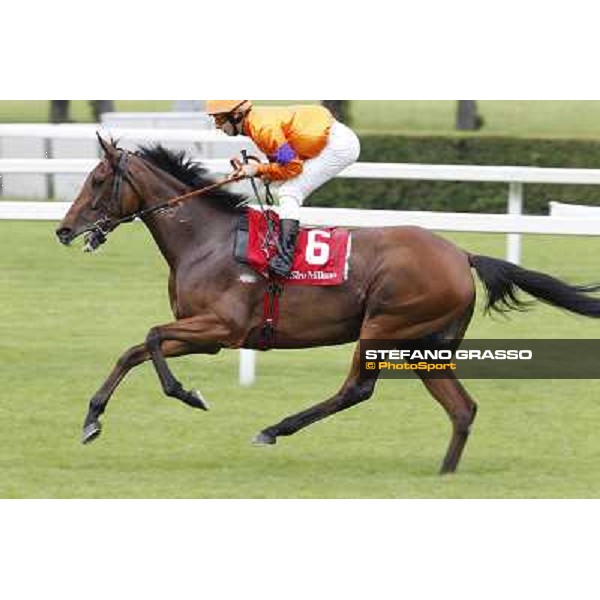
point(306, 148)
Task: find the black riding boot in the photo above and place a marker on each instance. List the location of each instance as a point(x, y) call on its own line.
point(281, 264)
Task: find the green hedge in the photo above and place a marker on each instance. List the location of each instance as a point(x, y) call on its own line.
point(456, 196)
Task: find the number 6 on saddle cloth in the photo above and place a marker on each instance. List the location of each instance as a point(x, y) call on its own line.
point(321, 254)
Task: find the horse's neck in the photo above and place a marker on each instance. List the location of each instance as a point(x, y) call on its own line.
point(188, 227)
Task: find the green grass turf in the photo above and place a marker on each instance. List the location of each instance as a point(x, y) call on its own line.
point(525, 118)
point(517, 118)
point(38, 111)
point(65, 317)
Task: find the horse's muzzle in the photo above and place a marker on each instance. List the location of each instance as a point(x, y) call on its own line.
point(65, 235)
point(94, 239)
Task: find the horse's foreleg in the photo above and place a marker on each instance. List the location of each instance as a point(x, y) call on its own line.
point(206, 334)
point(130, 359)
point(461, 409)
point(354, 390)
point(170, 385)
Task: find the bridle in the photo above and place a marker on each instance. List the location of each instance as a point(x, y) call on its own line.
point(99, 230)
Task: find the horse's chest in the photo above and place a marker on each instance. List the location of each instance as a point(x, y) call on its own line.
point(218, 291)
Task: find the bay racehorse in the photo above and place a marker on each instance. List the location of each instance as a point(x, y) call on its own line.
point(404, 283)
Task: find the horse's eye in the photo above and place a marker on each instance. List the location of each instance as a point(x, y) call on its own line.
point(97, 181)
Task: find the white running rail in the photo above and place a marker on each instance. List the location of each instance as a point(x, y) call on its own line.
point(513, 222)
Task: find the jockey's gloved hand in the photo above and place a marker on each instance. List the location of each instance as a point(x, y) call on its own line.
point(248, 170)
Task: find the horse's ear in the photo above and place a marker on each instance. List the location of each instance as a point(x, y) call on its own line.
point(106, 146)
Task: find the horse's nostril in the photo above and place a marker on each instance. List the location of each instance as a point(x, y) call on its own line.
point(65, 235)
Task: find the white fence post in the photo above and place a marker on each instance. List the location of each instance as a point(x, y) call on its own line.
point(514, 223)
point(247, 366)
point(515, 207)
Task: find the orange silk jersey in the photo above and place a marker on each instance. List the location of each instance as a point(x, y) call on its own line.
point(288, 136)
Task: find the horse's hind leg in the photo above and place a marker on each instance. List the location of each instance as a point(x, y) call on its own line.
point(456, 401)
point(354, 390)
point(461, 409)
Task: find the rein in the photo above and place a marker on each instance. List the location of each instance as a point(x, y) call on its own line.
point(101, 228)
point(271, 237)
point(177, 199)
point(99, 231)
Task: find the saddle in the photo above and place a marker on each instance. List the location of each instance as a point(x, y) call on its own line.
point(321, 256)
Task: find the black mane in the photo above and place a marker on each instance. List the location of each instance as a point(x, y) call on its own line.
point(192, 174)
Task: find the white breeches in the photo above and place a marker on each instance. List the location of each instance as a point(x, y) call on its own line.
point(342, 149)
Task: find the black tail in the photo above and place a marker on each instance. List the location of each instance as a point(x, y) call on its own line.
point(501, 280)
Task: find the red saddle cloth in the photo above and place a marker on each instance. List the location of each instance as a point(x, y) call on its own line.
point(321, 253)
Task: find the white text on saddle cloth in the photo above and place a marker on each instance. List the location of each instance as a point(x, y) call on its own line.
point(321, 257)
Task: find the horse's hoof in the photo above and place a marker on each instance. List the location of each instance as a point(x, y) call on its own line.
point(91, 432)
point(264, 439)
point(195, 399)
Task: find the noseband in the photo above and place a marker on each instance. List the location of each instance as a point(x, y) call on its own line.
point(99, 231)
point(102, 227)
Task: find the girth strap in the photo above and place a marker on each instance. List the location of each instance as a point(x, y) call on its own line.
point(271, 314)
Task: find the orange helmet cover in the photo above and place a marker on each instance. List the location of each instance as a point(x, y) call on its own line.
point(217, 107)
